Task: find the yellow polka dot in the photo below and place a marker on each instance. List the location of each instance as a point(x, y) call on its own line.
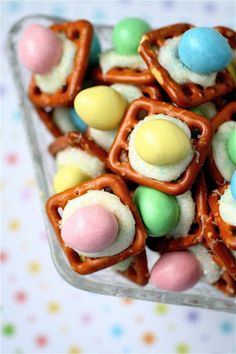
point(74, 350)
point(14, 225)
point(182, 348)
point(34, 267)
point(53, 307)
point(30, 183)
point(161, 309)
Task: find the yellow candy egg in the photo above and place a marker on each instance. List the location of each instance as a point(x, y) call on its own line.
point(68, 176)
point(161, 142)
point(101, 107)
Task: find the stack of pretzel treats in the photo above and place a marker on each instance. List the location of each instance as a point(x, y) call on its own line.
point(144, 149)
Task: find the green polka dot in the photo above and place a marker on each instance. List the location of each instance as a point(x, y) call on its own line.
point(8, 329)
point(161, 309)
point(182, 348)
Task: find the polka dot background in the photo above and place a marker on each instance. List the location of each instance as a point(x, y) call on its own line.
point(40, 312)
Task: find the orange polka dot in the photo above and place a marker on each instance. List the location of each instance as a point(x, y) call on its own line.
point(149, 338)
point(127, 301)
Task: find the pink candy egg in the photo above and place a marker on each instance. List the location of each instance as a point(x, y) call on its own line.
point(91, 229)
point(40, 49)
point(176, 271)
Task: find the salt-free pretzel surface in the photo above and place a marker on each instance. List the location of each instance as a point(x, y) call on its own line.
point(46, 118)
point(200, 225)
point(226, 114)
point(226, 284)
point(80, 141)
point(220, 252)
point(124, 76)
point(117, 186)
point(121, 145)
point(138, 270)
point(185, 95)
point(80, 33)
point(226, 232)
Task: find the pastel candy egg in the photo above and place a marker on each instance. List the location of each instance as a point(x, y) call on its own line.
point(40, 49)
point(127, 34)
point(91, 229)
point(231, 145)
point(100, 107)
point(161, 142)
point(233, 185)
point(77, 121)
point(68, 176)
point(204, 50)
point(159, 211)
point(176, 271)
point(95, 50)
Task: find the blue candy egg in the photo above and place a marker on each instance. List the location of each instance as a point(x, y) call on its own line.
point(233, 185)
point(95, 50)
point(77, 121)
point(204, 50)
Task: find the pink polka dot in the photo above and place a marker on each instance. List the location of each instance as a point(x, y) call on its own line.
point(41, 341)
point(3, 257)
point(26, 194)
point(86, 318)
point(31, 318)
point(11, 158)
point(20, 296)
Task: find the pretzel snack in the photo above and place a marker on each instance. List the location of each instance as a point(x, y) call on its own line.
point(80, 33)
point(138, 270)
point(185, 95)
point(121, 145)
point(226, 114)
point(117, 186)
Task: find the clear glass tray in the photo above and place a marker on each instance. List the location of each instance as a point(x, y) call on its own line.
point(106, 281)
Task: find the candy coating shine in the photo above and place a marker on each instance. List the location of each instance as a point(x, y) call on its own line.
point(100, 107)
point(161, 142)
point(204, 50)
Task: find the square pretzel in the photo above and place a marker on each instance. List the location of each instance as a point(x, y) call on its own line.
point(226, 232)
point(200, 225)
point(226, 284)
point(224, 115)
point(185, 95)
point(117, 186)
point(46, 117)
point(80, 141)
point(80, 33)
point(120, 146)
point(124, 76)
point(138, 270)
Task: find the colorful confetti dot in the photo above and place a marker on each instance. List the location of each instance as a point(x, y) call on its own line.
point(161, 309)
point(3, 257)
point(74, 350)
point(117, 331)
point(182, 348)
point(8, 329)
point(53, 307)
point(20, 296)
point(192, 316)
point(14, 225)
point(127, 301)
point(86, 318)
point(11, 158)
point(34, 267)
point(41, 341)
point(149, 338)
point(226, 327)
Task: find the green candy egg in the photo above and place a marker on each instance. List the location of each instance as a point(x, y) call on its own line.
point(127, 35)
point(198, 111)
point(231, 144)
point(159, 211)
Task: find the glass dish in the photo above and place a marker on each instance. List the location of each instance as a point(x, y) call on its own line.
point(102, 282)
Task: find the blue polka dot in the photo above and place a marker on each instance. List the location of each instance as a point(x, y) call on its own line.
point(116, 331)
point(17, 115)
point(126, 350)
point(14, 6)
point(226, 327)
point(99, 16)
